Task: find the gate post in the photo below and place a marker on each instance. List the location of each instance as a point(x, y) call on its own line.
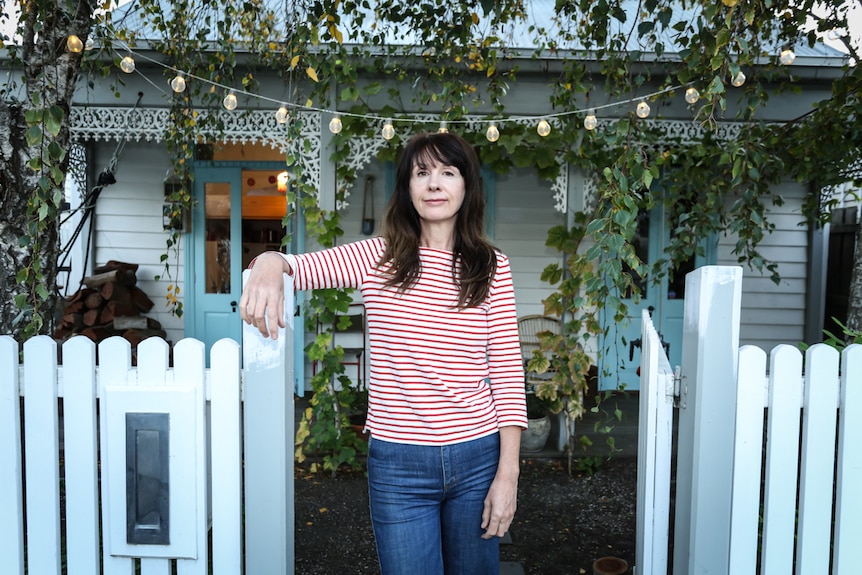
point(710, 350)
point(268, 432)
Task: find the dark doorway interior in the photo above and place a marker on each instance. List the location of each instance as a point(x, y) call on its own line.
point(842, 243)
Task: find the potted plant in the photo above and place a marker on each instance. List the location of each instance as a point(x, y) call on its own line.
point(535, 437)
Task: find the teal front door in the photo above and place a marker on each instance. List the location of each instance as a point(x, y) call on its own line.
point(216, 262)
point(619, 357)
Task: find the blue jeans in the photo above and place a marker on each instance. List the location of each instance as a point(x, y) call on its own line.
point(426, 507)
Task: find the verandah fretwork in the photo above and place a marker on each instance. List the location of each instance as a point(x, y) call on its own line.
point(260, 126)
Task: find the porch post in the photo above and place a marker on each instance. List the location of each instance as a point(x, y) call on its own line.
point(706, 420)
point(268, 431)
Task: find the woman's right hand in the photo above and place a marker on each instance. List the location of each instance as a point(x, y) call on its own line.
point(262, 301)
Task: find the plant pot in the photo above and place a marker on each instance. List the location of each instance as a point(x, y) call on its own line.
point(610, 566)
point(536, 435)
point(357, 424)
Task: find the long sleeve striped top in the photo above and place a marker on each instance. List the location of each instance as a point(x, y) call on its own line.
point(438, 374)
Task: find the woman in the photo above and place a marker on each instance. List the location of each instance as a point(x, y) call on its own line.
point(446, 402)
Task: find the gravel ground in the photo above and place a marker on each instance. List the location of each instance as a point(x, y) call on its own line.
point(562, 525)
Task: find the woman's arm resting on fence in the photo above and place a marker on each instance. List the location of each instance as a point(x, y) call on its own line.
point(262, 301)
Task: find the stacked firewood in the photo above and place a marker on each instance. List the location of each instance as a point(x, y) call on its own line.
point(109, 303)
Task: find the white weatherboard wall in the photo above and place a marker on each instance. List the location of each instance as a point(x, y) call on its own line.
point(524, 214)
point(774, 314)
point(128, 224)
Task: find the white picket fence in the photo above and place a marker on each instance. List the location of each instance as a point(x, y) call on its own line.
point(747, 502)
point(228, 470)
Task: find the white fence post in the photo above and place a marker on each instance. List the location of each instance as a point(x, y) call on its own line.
point(11, 494)
point(41, 454)
point(848, 498)
point(227, 467)
point(706, 420)
point(269, 432)
point(80, 422)
point(816, 476)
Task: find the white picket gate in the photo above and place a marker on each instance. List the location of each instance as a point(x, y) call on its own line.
point(655, 443)
point(69, 503)
point(769, 458)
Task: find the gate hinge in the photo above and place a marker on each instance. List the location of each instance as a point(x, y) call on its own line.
point(680, 388)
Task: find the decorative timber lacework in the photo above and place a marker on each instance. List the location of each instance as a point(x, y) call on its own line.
point(77, 171)
point(261, 127)
point(253, 126)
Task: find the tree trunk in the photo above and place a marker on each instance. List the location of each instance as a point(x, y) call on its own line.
point(49, 78)
point(854, 304)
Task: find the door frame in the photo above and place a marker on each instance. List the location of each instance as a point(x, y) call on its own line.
point(622, 342)
point(197, 234)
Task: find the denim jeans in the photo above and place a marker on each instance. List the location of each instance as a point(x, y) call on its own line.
point(426, 507)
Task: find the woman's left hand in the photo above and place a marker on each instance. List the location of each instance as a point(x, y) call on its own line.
point(502, 498)
point(500, 505)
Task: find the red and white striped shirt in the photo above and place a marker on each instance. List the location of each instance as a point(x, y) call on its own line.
point(438, 374)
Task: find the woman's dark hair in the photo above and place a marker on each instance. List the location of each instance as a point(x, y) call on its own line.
point(401, 226)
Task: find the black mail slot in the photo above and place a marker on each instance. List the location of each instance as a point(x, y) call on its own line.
point(147, 479)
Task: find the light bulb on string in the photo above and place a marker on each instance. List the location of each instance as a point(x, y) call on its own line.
point(590, 121)
point(281, 182)
point(787, 57)
point(642, 109)
point(74, 44)
point(388, 130)
point(127, 64)
point(282, 114)
point(178, 84)
point(229, 101)
point(335, 125)
point(543, 128)
point(692, 95)
point(443, 129)
point(730, 3)
point(492, 133)
point(90, 44)
point(738, 80)
point(833, 34)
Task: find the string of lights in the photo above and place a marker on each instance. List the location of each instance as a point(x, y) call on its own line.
point(492, 133)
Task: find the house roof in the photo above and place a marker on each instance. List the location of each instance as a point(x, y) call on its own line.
point(523, 35)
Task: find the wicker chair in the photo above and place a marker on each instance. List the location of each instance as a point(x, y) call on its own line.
point(529, 329)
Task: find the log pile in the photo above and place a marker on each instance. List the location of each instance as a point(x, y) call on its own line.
point(109, 303)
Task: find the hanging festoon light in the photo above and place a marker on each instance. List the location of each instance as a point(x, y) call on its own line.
point(833, 34)
point(738, 80)
point(178, 84)
point(335, 125)
point(281, 182)
point(90, 44)
point(388, 130)
point(127, 64)
point(282, 114)
point(543, 128)
point(492, 133)
point(787, 57)
point(229, 101)
point(692, 95)
point(74, 44)
point(590, 121)
point(642, 109)
point(443, 129)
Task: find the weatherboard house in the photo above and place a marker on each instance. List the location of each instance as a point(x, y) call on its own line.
point(239, 204)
